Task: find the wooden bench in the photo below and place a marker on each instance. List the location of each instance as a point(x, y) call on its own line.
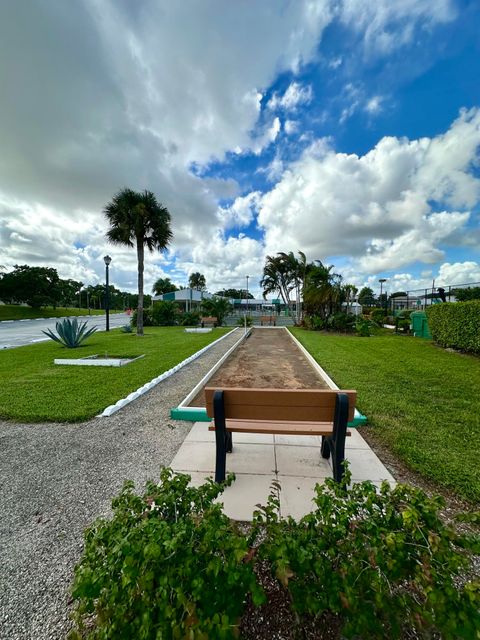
point(312, 412)
point(269, 320)
point(209, 320)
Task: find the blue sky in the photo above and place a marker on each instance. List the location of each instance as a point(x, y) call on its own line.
point(349, 130)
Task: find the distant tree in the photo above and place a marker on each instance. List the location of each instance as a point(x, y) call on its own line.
point(350, 291)
point(197, 281)
point(69, 290)
point(138, 220)
point(237, 294)
point(366, 297)
point(217, 307)
point(469, 293)
point(323, 293)
point(398, 294)
point(35, 286)
point(163, 285)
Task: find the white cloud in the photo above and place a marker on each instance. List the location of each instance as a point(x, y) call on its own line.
point(377, 208)
point(386, 25)
point(241, 212)
point(294, 96)
point(374, 105)
point(291, 126)
point(459, 273)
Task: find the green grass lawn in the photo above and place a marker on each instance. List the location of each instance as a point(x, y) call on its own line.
point(423, 401)
point(34, 389)
point(16, 312)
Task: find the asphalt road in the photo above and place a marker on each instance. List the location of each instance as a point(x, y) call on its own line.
point(16, 333)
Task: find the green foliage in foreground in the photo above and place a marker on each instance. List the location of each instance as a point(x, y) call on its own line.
point(71, 334)
point(169, 564)
point(422, 401)
point(16, 312)
point(384, 562)
point(34, 389)
point(456, 325)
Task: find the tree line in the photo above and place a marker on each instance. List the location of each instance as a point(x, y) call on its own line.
point(42, 287)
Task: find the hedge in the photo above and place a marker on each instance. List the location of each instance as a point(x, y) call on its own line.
point(456, 325)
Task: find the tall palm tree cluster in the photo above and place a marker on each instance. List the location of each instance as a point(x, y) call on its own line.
point(316, 285)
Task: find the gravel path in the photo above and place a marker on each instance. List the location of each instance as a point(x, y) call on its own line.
point(55, 479)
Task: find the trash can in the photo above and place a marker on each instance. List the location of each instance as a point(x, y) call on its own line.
point(419, 324)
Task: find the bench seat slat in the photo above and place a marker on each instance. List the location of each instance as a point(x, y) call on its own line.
point(279, 427)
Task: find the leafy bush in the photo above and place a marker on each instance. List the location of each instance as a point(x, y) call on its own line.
point(71, 333)
point(383, 563)
point(169, 564)
point(364, 326)
point(241, 321)
point(469, 293)
point(341, 322)
point(147, 318)
point(190, 319)
point(164, 313)
point(378, 315)
point(456, 325)
point(314, 323)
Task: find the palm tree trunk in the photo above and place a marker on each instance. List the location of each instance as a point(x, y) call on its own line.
point(140, 260)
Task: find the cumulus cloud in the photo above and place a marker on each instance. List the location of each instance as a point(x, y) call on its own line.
point(241, 212)
point(384, 209)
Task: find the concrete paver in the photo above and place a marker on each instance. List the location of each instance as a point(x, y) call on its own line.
point(258, 459)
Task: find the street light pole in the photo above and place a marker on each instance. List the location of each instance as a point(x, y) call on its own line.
point(107, 260)
point(381, 281)
point(247, 293)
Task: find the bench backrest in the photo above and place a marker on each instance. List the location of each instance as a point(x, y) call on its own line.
point(297, 405)
point(209, 319)
point(267, 318)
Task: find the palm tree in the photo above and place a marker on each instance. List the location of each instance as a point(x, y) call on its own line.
point(276, 278)
point(197, 281)
point(137, 219)
point(217, 307)
point(322, 293)
point(163, 285)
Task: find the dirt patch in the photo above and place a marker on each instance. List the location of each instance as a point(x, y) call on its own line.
point(268, 359)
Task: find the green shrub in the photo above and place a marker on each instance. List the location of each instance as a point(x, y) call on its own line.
point(341, 322)
point(169, 565)
point(364, 326)
point(190, 319)
point(456, 325)
point(164, 313)
point(147, 318)
point(71, 333)
point(469, 293)
point(314, 323)
point(241, 321)
point(161, 314)
point(378, 315)
point(382, 562)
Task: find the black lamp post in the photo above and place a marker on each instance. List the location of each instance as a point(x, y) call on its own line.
point(107, 260)
point(381, 281)
point(247, 293)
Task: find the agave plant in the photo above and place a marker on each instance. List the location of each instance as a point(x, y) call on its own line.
point(70, 333)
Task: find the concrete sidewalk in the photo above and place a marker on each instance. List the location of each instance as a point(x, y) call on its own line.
point(294, 461)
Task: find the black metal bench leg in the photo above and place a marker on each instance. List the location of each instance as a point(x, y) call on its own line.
point(337, 445)
point(325, 449)
point(228, 441)
point(220, 436)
